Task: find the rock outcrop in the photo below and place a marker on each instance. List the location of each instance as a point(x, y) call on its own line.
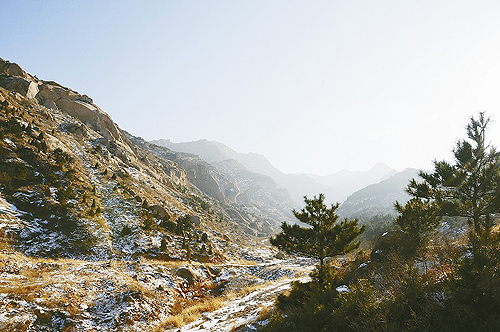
point(54, 96)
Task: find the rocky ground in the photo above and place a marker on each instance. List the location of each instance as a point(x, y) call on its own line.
point(248, 312)
point(44, 294)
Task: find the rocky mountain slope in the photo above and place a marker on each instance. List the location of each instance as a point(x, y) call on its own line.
point(100, 230)
point(378, 198)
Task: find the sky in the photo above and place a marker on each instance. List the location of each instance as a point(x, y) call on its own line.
point(315, 86)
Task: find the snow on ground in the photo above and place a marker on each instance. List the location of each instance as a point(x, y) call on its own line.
point(124, 294)
point(245, 310)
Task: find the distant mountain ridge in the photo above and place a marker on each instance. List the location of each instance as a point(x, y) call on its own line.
point(378, 198)
point(336, 187)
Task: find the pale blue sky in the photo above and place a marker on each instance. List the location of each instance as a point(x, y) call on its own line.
point(316, 86)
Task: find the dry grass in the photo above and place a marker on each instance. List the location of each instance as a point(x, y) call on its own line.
point(265, 313)
point(185, 312)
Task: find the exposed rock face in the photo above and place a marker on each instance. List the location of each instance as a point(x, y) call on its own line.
point(200, 176)
point(82, 108)
point(14, 78)
point(21, 85)
point(12, 69)
point(54, 96)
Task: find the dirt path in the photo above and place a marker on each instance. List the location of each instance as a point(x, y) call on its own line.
point(245, 310)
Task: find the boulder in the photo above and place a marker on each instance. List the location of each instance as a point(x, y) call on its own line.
point(53, 143)
point(86, 99)
point(46, 94)
point(159, 212)
point(187, 273)
point(195, 220)
point(82, 111)
point(21, 85)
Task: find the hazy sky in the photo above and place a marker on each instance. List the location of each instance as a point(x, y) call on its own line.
point(316, 86)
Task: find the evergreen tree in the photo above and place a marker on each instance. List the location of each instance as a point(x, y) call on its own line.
point(417, 219)
point(470, 186)
point(324, 238)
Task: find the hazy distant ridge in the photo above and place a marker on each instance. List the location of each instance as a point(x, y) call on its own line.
point(337, 186)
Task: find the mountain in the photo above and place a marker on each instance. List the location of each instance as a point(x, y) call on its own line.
point(378, 198)
point(101, 230)
point(345, 182)
point(81, 182)
point(336, 186)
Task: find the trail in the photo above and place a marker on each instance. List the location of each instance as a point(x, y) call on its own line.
point(241, 312)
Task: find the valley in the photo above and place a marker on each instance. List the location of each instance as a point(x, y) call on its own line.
point(102, 230)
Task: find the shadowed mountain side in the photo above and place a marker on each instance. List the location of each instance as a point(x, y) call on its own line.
point(258, 191)
point(259, 202)
point(378, 198)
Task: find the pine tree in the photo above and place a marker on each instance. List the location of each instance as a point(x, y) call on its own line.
point(470, 186)
point(417, 219)
point(324, 238)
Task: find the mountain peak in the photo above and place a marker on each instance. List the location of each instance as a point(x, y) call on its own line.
point(381, 167)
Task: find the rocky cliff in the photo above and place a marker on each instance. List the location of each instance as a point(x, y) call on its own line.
point(94, 189)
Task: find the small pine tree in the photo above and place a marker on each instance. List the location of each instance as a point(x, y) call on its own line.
point(204, 237)
point(324, 238)
point(417, 219)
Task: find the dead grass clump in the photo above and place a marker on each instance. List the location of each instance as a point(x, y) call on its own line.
point(265, 313)
point(187, 312)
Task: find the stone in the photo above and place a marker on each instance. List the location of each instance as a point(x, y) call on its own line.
point(187, 273)
point(12, 69)
point(159, 212)
point(47, 93)
point(86, 99)
point(32, 90)
point(195, 220)
point(53, 143)
point(20, 85)
point(82, 111)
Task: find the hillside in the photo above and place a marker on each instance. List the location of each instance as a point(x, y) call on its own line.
point(101, 230)
point(336, 186)
point(378, 198)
